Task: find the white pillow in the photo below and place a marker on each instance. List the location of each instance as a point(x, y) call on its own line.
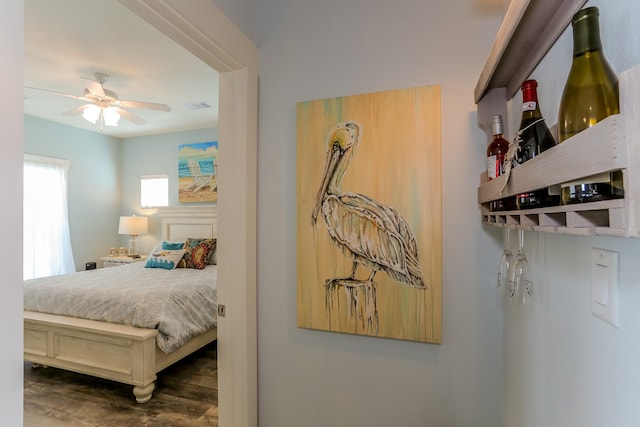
point(167, 259)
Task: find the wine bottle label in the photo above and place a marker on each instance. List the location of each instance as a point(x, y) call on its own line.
point(600, 178)
point(554, 190)
point(529, 106)
point(493, 167)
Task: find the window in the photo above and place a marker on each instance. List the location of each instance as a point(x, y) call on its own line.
point(154, 191)
point(47, 241)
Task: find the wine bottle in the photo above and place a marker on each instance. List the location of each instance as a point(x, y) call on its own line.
point(590, 94)
point(497, 149)
point(534, 138)
point(496, 152)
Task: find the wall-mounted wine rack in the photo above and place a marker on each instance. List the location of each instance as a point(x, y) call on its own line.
point(528, 31)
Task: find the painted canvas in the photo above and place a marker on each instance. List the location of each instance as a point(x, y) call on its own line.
point(369, 202)
point(197, 172)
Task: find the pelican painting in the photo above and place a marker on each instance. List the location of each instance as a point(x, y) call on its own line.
point(370, 233)
point(369, 201)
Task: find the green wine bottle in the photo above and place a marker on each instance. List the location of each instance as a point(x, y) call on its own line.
point(590, 94)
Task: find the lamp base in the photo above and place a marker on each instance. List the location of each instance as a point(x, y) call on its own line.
point(133, 246)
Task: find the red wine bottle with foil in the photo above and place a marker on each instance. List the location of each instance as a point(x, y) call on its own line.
point(535, 138)
point(590, 95)
point(496, 152)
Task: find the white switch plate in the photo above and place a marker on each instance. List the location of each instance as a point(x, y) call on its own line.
point(604, 285)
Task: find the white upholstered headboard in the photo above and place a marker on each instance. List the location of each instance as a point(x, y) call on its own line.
point(181, 222)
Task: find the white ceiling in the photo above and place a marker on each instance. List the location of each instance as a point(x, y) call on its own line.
point(66, 40)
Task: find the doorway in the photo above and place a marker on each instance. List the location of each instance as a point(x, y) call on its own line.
point(201, 28)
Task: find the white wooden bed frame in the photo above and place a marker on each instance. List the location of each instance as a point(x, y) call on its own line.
point(115, 352)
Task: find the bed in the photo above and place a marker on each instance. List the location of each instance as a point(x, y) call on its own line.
point(118, 352)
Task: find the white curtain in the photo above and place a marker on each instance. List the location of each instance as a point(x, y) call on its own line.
point(47, 241)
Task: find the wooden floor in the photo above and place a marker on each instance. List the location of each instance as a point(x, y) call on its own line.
point(186, 394)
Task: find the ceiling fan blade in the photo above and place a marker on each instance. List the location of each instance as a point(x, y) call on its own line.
point(75, 111)
point(144, 105)
point(128, 115)
point(95, 87)
point(68, 95)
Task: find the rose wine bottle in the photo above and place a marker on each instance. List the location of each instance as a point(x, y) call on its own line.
point(590, 94)
point(497, 149)
point(496, 152)
point(535, 138)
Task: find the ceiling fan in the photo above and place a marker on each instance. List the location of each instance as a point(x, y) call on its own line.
point(104, 105)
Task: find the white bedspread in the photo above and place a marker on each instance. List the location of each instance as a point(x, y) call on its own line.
point(180, 303)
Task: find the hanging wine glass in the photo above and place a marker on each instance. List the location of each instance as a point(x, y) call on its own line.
point(524, 282)
point(515, 273)
point(520, 285)
point(505, 265)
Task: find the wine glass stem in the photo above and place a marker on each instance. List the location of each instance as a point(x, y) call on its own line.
point(506, 237)
point(521, 240)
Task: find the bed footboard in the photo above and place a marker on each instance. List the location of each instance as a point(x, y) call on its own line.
point(115, 352)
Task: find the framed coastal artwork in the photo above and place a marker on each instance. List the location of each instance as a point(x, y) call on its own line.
point(369, 214)
point(197, 172)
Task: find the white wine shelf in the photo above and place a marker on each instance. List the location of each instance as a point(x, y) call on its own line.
point(596, 218)
point(611, 145)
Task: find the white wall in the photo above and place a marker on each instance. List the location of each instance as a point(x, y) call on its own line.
point(318, 49)
point(11, 87)
point(94, 183)
point(564, 366)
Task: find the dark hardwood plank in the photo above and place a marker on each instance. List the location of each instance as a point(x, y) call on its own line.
point(186, 395)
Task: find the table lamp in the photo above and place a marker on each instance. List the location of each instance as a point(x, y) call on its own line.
point(133, 226)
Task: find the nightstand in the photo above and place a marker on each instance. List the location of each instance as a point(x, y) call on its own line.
point(115, 261)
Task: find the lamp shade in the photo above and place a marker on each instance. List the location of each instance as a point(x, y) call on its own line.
point(111, 116)
point(91, 113)
point(133, 225)
point(107, 115)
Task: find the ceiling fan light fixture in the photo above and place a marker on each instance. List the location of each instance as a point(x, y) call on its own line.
point(91, 113)
point(103, 106)
point(111, 116)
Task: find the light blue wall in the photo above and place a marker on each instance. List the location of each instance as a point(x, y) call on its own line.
point(104, 180)
point(157, 154)
point(94, 182)
point(313, 49)
point(557, 366)
point(241, 12)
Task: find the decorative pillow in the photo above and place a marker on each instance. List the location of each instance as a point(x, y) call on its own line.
point(212, 252)
point(173, 246)
point(168, 245)
point(213, 260)
point(198, 253)
point(167, 259)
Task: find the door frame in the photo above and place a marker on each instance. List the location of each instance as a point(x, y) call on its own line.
point(201, 28)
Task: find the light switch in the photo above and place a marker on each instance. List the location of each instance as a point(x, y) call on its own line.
point(601, 284)
point(604, 285)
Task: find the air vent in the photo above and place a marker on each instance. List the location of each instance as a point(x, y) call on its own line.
point(197, 105)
